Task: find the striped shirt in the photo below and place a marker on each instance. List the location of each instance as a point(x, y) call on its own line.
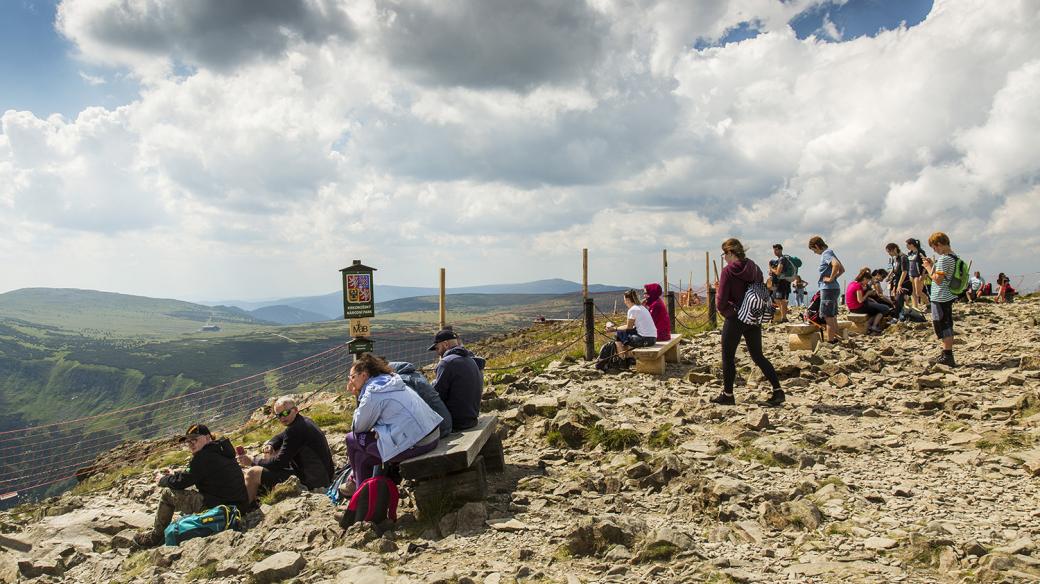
point(944, 265)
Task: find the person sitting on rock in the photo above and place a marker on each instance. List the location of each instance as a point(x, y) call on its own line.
point(212, 471)
point(420, 385)
point(860, 298)
point(301, 450)
point(459, 379)
point(658, 311)
point(391, 422)
point(640, 331)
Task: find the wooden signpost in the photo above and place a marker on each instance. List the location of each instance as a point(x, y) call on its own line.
point(359, 305)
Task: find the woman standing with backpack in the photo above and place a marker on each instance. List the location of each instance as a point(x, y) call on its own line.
point(738, 275)
point(915, 257)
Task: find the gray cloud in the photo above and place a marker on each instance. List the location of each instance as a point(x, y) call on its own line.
point(217, 34)
point(494, 43)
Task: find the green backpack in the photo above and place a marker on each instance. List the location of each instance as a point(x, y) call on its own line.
point(790, 267)
point(959, 279)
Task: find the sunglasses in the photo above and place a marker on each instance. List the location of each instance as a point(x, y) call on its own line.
point(284, 414)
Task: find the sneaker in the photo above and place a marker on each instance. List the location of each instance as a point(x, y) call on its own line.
point(946, 359)
point(724, 399)
point(776, 399)
point(148, 539)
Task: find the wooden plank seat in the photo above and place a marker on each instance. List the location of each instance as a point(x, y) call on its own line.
point(652, 359)
point(858, 322)
point(803, 337)
point(456, 471)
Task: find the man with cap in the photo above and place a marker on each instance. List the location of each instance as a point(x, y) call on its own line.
point(213, 472)
point(459, 379)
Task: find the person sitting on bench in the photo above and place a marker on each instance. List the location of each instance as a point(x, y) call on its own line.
point(640, 330)
point(391, 422)
point(459, 379)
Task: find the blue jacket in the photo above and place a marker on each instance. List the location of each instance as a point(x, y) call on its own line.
point(395, 412)
point(460, 383)
point(418, 382)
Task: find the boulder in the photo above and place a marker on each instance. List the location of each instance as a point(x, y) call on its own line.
point(278, 567)
point(362, 575)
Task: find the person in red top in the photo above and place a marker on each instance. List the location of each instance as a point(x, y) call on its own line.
point(738, 274)
point(860, 298)
point(659, 312)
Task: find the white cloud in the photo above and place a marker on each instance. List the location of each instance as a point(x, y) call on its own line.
point(278, 142)
point(92, 79)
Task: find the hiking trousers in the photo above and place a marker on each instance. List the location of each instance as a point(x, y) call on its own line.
point(732, 331)
point(184, 502)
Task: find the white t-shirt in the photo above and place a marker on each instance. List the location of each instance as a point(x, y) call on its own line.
point(644, 322)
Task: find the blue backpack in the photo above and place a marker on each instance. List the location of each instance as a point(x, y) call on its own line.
point(203, 524)
point(333, 491)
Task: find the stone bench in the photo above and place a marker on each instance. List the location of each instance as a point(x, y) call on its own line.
point(456, 471)
point(652, 359)
point(858, 322)
point(803, 337)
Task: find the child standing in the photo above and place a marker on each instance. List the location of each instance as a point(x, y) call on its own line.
point(940, 270)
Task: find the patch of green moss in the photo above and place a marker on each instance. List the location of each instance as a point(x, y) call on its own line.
point(555, 439)
point(280, 492)
point(611, 439)
point(134, 565)
point(657, 551)
point(661, 437)
point(758, 455)
point(999, 442)
point(203, 572)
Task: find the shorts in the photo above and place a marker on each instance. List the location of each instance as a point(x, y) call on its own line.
point(629, 338)
point(942, 319)
point(829, 302)
point(781, 289)
point(270, 477)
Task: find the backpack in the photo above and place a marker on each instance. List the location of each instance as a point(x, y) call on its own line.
point(608, 358)
point(959, 278)
point(757, 306)
point(911, 315)
point(333, 491)
point(375, 501)
point(812, 312)
point(203, 524)
point(790, 267)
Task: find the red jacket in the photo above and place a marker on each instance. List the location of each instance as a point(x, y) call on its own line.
point(733, 283)
point(658, 311)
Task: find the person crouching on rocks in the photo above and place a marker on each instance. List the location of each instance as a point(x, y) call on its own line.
point(640, 331)
point(738, 274)
point(391, 422)
point(213, 472)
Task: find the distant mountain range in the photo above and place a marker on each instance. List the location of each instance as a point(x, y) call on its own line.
point(330, 306)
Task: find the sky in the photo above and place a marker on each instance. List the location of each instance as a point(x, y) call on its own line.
point(251, 148)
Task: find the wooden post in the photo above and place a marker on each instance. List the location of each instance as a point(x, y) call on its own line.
point(664, 264)
point(585, 272)
point(590, 330)
point(443, 309)
point(710, 293)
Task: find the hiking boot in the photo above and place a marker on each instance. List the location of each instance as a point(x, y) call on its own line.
point(946, 358)
point(776, 399)
point(148, 539)
point(724, 399)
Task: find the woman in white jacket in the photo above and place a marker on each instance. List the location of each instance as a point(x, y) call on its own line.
point(391, 422)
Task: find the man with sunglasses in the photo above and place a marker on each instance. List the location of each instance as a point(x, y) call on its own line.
point(212, 471)
point(301, 450)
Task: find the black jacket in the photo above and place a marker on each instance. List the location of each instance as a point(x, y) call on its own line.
point(303, 448)
point(214, 471)
point(460, 383)
point(418, 382)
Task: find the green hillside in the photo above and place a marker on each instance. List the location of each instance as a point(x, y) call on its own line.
point(108, 315)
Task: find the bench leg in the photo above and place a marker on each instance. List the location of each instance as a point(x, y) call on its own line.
point(652, 366)
point(672, 355)
point(438, 495)
point(494, 455)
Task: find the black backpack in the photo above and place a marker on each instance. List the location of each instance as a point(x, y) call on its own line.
point(608, 358)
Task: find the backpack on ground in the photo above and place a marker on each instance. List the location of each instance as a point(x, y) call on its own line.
point(608, 358)
point(791, 266)
point(757, 307)
point(959, 279)
point(812, 312)
point(912, 315)
point(333, 491)
point(203, 524)
point(374, 501)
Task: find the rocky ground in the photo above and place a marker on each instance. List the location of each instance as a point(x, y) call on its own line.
point(879, 468)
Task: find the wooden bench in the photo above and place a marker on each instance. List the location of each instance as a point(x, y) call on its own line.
point(803, 337)
point(652, 359)
point(455, 471)
point(859, 322)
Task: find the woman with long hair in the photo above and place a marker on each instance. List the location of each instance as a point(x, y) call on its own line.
point(915, 255)
point(739, 273)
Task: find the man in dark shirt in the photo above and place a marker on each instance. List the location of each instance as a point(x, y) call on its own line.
point(300, 450)
point(459, 380)
point(212, 471)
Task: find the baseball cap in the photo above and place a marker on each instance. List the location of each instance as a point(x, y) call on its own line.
point(194, 431)
point(442, 335)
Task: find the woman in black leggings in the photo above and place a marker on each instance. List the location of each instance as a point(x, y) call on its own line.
point(738, 274)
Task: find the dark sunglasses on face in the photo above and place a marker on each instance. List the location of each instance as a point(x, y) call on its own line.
point(285, 413)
